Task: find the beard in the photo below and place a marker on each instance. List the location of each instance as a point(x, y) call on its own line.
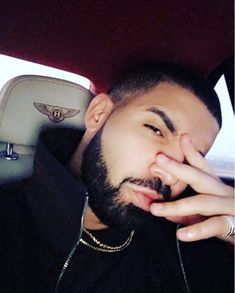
point(104, 198)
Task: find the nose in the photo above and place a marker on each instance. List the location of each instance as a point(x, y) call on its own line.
point(166, 178)
point(173, 151)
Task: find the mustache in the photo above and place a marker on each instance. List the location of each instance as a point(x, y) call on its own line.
point(153, 184)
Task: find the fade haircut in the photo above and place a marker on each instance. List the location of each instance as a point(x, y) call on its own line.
point(145, 76)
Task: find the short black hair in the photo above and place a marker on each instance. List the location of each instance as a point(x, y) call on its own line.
point(143, 77)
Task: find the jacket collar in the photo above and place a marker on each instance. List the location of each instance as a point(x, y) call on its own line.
point(55, 196)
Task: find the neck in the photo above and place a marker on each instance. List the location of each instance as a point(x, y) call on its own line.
point(91, 221)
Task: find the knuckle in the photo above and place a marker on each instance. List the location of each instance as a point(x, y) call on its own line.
point(219, 224)
point(177, 205)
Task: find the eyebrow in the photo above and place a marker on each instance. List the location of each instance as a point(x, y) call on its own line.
point(168, 122)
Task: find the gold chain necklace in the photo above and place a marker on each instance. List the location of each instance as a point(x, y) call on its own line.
point(106, 248)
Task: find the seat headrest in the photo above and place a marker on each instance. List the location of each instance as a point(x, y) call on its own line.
point(29, 103)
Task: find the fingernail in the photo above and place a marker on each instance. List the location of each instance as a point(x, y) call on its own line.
point(184, 233)
point(187, 137)
point(162, 158)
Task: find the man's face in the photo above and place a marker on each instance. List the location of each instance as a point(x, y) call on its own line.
point(119, 164)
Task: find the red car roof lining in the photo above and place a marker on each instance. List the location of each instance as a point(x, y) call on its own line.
point(99, 38)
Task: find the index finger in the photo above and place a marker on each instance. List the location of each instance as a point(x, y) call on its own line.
point(193, 156)
point(199, 180)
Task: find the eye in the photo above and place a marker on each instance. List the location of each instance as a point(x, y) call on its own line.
point(156, 130)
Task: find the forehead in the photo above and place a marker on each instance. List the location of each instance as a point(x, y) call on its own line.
point(167, 95)
point(185, 110)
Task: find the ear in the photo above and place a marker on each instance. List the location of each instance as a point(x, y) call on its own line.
point(98, 111)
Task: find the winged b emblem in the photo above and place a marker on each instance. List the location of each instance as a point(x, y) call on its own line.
point(55, 113)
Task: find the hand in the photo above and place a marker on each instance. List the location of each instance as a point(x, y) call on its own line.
point(204, 211)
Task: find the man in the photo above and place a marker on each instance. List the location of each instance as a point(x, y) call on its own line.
point(92, 218)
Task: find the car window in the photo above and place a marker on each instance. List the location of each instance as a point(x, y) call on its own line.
point(12, 67)
point(222, 155)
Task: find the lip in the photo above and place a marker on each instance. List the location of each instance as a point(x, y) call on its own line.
point(143, 198)
point(148, 192)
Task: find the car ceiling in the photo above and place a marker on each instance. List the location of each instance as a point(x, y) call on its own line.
point(98, 38)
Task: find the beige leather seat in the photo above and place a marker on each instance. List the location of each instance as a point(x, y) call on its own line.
point(28, 103)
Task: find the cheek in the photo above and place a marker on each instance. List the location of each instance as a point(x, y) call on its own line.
point(129, 156)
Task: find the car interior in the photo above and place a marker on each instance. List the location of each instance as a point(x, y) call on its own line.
point(98, 40)
point(26, 108)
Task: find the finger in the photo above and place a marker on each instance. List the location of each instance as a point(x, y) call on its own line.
point(206, 205)
point(186, 220)
point(212, 227)
point(199, 180)
point(194, 157)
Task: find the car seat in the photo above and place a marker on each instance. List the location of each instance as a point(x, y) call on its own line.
point(29, 103)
